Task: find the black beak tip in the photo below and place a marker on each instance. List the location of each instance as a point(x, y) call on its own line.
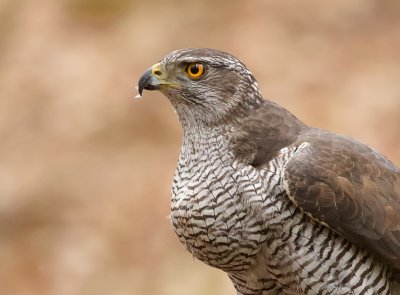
point(148, 81)
point(144, 81)
point(140, 90)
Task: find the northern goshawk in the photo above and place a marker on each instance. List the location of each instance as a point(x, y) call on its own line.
point(281, 207)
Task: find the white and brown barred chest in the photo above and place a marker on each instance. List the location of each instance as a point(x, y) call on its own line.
point(213, 197)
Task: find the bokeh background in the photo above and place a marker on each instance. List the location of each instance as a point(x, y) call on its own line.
point(85, 170)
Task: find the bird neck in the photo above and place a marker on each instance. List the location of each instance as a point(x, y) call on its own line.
point(253, 134)
point(200, 132)
point(203, 139)
point(211, 120)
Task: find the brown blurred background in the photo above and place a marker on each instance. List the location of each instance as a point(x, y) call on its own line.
point(85, 170)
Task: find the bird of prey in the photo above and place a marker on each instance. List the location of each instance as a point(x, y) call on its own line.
point(281, 207)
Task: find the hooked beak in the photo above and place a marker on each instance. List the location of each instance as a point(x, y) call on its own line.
point(154, 79)
point(150, 79)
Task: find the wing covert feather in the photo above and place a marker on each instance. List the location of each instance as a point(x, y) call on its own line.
point(352, 188)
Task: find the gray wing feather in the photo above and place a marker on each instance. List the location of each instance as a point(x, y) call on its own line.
point(351, 188)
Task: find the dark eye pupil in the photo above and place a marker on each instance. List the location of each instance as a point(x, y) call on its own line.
point(194, 69)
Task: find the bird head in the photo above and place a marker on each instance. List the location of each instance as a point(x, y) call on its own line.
point(205, 86)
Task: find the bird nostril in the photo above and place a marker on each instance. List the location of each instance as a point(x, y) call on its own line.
point(157, 73)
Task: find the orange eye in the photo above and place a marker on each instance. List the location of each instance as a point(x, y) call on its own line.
point(195, 70)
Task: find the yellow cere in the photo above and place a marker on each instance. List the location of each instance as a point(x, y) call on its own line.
point(156, 69)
